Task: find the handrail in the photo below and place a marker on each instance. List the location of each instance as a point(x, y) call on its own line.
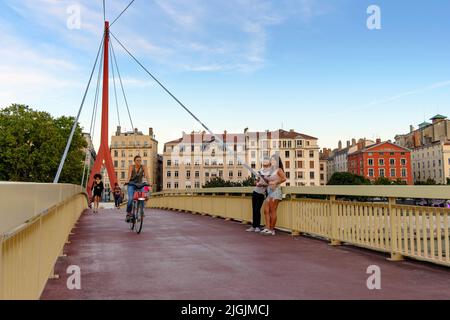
point(417, 192)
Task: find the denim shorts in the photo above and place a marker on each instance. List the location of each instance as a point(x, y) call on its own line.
point(274, 194)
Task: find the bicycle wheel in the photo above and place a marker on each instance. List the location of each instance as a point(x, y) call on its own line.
point(139, 217)
point(133, 216)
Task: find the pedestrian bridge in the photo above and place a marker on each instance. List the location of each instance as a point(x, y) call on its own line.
point(194, 245)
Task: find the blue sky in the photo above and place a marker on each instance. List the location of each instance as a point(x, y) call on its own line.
point(308, 65)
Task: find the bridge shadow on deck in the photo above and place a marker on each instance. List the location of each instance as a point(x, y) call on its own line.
point(184, 256)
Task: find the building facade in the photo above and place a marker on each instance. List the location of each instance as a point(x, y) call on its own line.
point(432, 161)
point(126, 145)
point(383, 159)
point(196, 158)
point(338, 158)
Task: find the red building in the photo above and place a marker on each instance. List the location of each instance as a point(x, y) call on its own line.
point(383, 159)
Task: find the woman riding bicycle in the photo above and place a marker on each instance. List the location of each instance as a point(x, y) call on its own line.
point(136, 174)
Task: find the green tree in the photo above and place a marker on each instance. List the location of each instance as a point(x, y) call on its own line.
point(448, 181)
point(347, 178)
point(383, 181)
point(429, 182)
point(32, 143)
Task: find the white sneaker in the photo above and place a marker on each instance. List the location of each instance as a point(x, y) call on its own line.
point(251, 229)
point(273, 232)
point(257, 230)
point(265, 231)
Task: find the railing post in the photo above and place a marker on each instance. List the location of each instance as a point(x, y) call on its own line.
point(334, 222)
point(395, 256)
point(294, 232)
point(1, 268)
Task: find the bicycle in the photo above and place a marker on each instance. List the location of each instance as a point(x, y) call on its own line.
point(136, 220)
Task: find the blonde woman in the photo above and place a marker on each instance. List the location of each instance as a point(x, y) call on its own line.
point(274, 195)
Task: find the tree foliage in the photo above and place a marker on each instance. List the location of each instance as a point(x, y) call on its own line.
point(32, 144)
point(347, 178)
point(219, 182)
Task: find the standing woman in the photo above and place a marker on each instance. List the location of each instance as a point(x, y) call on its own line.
point(97, 189)
point(136, 175)
point(274, 195)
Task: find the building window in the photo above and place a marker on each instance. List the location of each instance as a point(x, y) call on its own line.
point(382, 173)
point(122, 175)
point(253, 154)
point(197, 185)
point(288, 165)
point(239, 173)
point(169, 163)
point(197, 174)
point(220, 173)
point(393, 173)
point(299, 143)
point(116, 163)
point(123, 154)
point(230, 163)
point(230, 174)
point(404, 175)
point(311, 164)
point(169, 185)
point(311, 175)
point(207, 174)
point(253, 165)
point(299, 154)
point(169, 174)
point(122, 164)
point(288, 175)
point(176, 163)
point(188, 174)
point(299, 164)
point(197, 163)
point(381, 162)
point(176, 174)
point(311, 154)
point(392, 162)
point(286, 154)
point(300, 175)
point(116, 153)
point(403, 162)
point(176, 185)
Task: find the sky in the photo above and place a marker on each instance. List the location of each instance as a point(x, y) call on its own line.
point(309, 65)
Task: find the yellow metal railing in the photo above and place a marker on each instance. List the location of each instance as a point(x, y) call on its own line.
point(29, 251)
point(401, 230)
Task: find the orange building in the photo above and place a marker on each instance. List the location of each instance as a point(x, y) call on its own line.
point(383, 159)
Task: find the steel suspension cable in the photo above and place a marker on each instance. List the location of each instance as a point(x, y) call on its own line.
point(121, 85)
point(184, 107)
point(93, 118)
point(72, 133)
point(115, 90)
point(122, 13)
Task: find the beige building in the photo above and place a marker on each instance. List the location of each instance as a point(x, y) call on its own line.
point(430, 145)
point(432, 162)
point(427, 133)
point(126, 145)
point(194, 159)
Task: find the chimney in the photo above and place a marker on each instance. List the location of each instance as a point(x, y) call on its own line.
point(135, 130)
point(348, 144)
point(292, 130)
point(150, 132)
point(378, 140)
point(340, 145)
point(411, 128)
point(119, 129)
point(353, 142)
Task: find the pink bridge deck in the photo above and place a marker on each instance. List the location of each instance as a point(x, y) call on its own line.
point(182, 256)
